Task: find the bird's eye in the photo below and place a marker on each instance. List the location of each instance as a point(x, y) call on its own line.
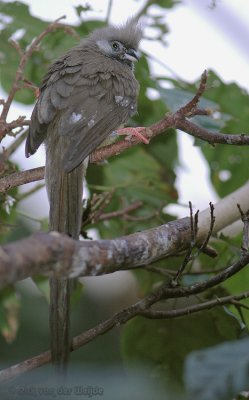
point(115, 46)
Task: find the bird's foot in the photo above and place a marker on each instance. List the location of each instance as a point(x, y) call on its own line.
point(129, 132)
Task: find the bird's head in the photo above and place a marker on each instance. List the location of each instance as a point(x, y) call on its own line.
point(119, 42)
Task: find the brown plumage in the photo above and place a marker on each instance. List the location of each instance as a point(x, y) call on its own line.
point(81, 94)
point(86, 95)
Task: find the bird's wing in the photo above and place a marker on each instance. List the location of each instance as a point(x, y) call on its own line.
point(64, 73)
point(84, 107)
point(88, 123)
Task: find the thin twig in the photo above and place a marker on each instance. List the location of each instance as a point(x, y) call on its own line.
point(191, 106)
point(209, 234)
point(95, 207)
point(187, 258)
point(8, 127)
point(194, 230)
point(22, 196)
point(207, 305)
point(121, 213)
point(172, 272)
point(208, 250)
point(238, 304)
point(21, 178)
point(15, 145)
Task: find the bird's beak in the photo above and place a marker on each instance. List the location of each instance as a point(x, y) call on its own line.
point(132, 55)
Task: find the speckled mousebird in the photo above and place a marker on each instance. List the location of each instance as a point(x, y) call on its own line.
point(87, 94)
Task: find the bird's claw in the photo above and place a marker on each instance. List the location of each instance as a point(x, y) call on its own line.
point(129, 132)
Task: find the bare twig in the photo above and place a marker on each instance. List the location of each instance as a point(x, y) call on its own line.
point(20, 178)
point(7, 127)
point(36, 188)
point(191, 106)
point(238, 304)
point(206, 305)
point(194, 229)
point(162, 271)
point(94, 208)
point(209, 234)
point(209, 136)
point(187, 258)
point(172, 272)
point(14, 146)
point(209, 251)
point(121, 213)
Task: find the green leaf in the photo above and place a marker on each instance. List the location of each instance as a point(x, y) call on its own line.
point(8, 208)
point(237, 284)
point(228, 163)
point(219, 372)
point(167, 3)
point(43, 285)
point(177, 98)
point(81, 9)
point(9, 314)
point(162, 346)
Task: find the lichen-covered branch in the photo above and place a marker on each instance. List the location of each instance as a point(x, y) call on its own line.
point(46, 253)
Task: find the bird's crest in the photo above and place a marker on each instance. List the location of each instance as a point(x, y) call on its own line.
point(129, 33)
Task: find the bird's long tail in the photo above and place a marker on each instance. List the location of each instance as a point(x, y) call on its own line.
point(65, 198)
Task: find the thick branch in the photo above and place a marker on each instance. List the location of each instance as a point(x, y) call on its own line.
point(44, 253)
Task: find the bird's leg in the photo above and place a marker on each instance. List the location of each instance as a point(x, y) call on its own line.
point(129, 132)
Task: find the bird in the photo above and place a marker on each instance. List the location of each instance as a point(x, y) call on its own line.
point(86, 95)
